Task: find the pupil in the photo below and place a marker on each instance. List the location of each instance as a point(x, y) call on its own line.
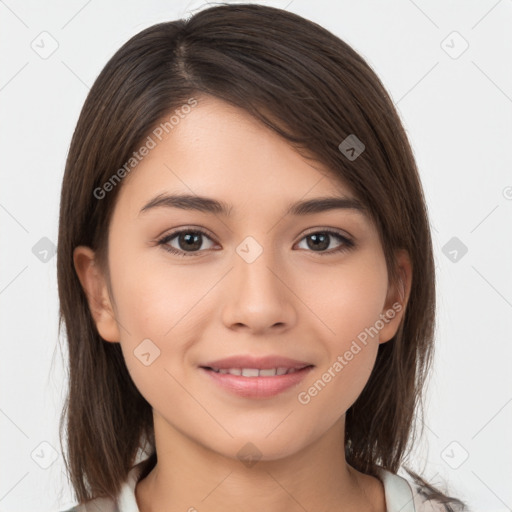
point(322, 244)
point(196, 244)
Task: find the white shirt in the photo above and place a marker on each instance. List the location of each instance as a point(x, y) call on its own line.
point(401, 496)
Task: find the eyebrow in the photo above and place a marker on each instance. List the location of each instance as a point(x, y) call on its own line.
point(209, 205)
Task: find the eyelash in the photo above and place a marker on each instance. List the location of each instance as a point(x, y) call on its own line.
point(345, 246)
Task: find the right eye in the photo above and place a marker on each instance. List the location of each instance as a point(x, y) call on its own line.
point(187, 239)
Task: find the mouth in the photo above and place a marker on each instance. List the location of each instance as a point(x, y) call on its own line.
point(256, 383)
point(257, 372)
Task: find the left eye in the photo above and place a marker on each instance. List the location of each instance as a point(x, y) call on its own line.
point(190, 242)
point(321, 240)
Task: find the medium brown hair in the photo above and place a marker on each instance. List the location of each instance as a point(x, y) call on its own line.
point(312, 89)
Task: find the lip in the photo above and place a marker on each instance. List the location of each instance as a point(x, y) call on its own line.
point(256, 387)
point(265, 362)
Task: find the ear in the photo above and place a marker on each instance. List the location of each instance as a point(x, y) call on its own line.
point(95, 287)
point(397, 298)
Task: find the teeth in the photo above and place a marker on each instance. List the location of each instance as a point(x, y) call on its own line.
point(270, 372)
point(255, 372)
point(250, 372)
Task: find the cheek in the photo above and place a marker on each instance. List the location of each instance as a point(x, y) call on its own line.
point(153, 299)
point(153, 311)
point(348, 305)
point(346, 298)
point(159, 309)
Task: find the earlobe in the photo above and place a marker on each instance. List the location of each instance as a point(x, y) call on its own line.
point(397, 298)
point(95, 288)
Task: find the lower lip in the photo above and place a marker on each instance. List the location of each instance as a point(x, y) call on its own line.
point(257, 387)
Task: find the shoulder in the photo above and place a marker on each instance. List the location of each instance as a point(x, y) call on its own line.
point(125, 501)
point(428, 498)
point(96, 505)
point(424, 504)
point(406, 495)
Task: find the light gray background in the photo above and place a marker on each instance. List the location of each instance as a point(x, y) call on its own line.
point(457, 110)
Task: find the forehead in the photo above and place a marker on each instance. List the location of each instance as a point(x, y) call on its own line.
point(220, 151)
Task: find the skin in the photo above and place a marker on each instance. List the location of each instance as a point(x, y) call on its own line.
point(292, 300)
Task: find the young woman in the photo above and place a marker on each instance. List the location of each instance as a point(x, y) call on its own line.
point(246, 276)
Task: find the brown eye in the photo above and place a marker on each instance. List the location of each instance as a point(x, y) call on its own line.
point(189, 241)
point(319, 241)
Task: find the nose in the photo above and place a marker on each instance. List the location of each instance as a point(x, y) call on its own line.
point(257, 296)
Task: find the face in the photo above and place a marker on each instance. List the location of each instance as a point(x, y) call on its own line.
point(191, 286)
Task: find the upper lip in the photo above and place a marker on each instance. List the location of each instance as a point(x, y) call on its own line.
point(262, 363)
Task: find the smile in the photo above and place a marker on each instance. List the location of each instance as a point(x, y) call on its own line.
point(256, 383)
point(255, 372)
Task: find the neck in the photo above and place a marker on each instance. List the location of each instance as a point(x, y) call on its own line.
point(189, 476)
